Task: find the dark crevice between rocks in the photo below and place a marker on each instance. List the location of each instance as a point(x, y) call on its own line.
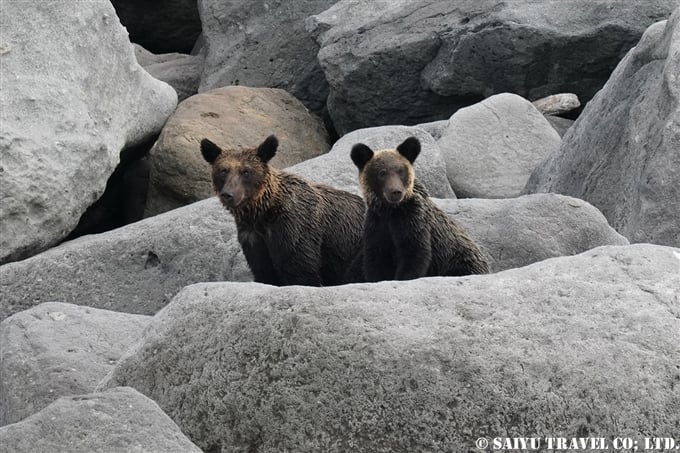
point(124, 198)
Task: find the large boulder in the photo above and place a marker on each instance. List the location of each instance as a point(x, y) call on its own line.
point(73, 96)
point(234, 118)
point(407, 62)
point(263, 44)
point(170, 26)
point(119, 420)
point(516, 232)
point(492, 147)
point(337, 169)
point(568, 346)
point(622, 154)
point(140, 267)
point(134, 269)
point(55, 349)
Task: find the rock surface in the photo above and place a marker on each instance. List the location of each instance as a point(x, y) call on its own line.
point(561, 125)
point(622, 154)
point(119, 420)
point(516, 232)
point(427, 365)
point(337, 169)
point(56, 350)
point(134, 269)
point(557, 104)
point(170, 26)
point(492, 147)
point(140, 267)
point(233, 117)
point(180, 71)
point(72, 98)
point(408, 62)
point(260, 43)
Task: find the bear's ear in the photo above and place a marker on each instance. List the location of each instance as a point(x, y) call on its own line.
point(267, 149)
point(361, 154)
point(209, 150)
point(410, 148)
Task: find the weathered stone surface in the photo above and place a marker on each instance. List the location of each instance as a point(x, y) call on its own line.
point(561, 125)
point(180, 71)
point(170, 26)
point(408, 62)
point(120, 420)
point(233, 117)
point(337, 169)
point(140, 267)
point(56, 350)
point(516, 232)
point(421, 366)
point(263, 44)
point(134, 269)
point(492, 147)
point(622, 154)
point(557, 104)
point(72, 98)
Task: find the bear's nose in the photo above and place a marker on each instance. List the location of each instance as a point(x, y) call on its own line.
point(228, 196)
point(394, 195)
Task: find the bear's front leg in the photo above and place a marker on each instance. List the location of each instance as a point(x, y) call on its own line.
point(413, 250)
point(257, 256)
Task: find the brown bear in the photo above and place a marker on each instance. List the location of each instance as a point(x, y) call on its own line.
point(292, 232)
point(406, 235)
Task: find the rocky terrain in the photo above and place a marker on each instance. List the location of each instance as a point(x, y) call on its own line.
point(129, 319)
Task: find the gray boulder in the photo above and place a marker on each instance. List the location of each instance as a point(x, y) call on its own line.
point(516, 232)
point(134, 269)
point(73, 96)
point(492, 147)
point(622, 154)
point(263, 44)
point(55, 349)
point(337, 169)
point(140, 267)
point(561, 125)
point(569, 345)
point(119, 420)
point(557, 104)
point(180, 71)
point(408, 62)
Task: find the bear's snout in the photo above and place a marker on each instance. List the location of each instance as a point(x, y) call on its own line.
point(231, 198)
point(393, 195)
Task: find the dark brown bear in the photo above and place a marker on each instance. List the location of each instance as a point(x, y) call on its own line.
point(406, 235)
point(292, 232)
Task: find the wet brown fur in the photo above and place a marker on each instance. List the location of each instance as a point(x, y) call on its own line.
point(408, 236)
point(291, 231)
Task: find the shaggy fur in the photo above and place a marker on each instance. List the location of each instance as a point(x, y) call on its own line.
point(292, 232)
point(406, 235)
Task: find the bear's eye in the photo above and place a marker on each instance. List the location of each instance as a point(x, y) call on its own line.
point(401, 171)
point(382, 173)
point(244, 172)
point(223, 172)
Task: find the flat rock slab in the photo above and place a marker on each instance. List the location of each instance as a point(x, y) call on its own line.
point(492, 147)
point(73, 96)
point(623, 153)
point(140, 267)
point(572, 345)
point(56, 349)
point(120, 420)
point(234, 117)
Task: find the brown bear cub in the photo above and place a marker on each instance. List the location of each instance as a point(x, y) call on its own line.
point(406, 235)
point(292, 232)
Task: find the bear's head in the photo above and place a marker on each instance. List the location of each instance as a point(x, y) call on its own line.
point(386, 175)
point(239, 176)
